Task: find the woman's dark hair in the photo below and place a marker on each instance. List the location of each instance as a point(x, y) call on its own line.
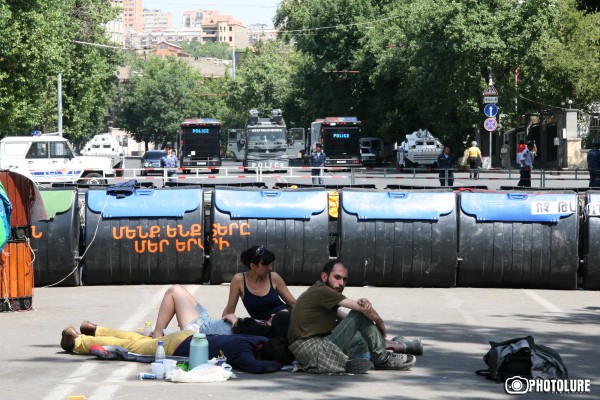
point(276, 349)
point(256, 255)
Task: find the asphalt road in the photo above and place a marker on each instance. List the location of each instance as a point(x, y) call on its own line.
point(454, 324)
point(380, 177)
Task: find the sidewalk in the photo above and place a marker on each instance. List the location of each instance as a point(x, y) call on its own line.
point(454, 324)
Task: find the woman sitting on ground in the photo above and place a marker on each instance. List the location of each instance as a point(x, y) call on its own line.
point(264, 294)
point(263, 299)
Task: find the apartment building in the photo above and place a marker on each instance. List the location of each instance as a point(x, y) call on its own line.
point(133, 15)
point(215, 27)
point(157, 20)
point(115, 29)
point(262, 32)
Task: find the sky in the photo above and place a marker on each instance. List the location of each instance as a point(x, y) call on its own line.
point(246, 11)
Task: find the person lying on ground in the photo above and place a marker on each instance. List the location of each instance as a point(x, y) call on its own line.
point(248, 353)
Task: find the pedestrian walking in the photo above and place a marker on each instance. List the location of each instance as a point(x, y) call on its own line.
point(526, 160)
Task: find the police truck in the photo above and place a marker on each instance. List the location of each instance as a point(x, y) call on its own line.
point(266, 142)
point(199, 143)
point(340, 137)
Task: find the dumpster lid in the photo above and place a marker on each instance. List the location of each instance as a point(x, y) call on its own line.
point(592, 206)
point(518, 207)
point(398, 205)
point(145, 203)
point(280, 204)
point(57, 201)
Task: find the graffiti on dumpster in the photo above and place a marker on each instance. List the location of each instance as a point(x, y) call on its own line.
point(221, 232)
point(34, 232)
point(157, 239)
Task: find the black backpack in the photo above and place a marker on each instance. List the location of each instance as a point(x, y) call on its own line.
point(522, 357)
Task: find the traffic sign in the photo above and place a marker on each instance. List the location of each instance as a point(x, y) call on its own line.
point(490, 110)
point(490, 99)
point(490, 91)
point(490, 124)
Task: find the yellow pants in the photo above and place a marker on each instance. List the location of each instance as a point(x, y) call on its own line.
point(132, 341)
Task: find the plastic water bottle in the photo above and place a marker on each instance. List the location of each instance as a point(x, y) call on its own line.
point(160, 352)
point(148, 328)
point(198, 350)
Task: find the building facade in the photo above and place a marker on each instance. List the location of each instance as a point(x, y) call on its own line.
point(157, 20)
point(116, 29)
point(133, 15)
point(257, 32)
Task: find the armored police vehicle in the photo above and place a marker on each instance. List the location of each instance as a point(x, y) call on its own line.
point(265, 141)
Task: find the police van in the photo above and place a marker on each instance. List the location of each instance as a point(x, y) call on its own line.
point(48, 158)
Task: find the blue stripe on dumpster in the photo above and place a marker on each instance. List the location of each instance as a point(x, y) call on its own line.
point(144, 203)
point(144, 236)
point(518, 207)
point(292, 223)
point(518, 240)
point(295, 204)
point(398, 205)
point(399, 238)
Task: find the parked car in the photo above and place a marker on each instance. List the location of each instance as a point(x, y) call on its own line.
point(151, 159)
point(367, 157)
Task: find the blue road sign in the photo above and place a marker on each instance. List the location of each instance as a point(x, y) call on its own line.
point(490, 124)
point(490, 110)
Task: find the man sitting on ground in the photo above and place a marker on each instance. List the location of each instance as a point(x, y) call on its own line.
point(322, 347)
point(248, 353)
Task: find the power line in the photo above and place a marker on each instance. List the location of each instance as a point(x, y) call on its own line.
point(340, 26)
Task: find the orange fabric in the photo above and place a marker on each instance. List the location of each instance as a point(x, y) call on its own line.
point(16, 271)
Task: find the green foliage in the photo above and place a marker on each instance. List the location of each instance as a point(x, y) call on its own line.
point(35, 46)
point(161, 94)
point(425, 63)
point(263, 82)
point(210, 49)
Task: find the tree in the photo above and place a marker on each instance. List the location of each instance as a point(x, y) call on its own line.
point(263, 82)
point(36, 44)
point(421, 63)
point(329, 35)
point(209, 49)
point(161, 94)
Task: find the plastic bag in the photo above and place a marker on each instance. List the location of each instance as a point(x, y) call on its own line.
point(203, 373)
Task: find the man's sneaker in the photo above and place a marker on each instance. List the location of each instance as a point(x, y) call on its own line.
point(397, 361)
point(414, 346)
point(358, 366)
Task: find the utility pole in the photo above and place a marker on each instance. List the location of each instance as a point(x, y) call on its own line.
point(233, 63)
point(59, 90)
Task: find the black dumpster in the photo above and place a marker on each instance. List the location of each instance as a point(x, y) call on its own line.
point(55, 240)
point(591, 241)
point(144, 236)
point(292, 223)
point(518, 239)
point(398, 238)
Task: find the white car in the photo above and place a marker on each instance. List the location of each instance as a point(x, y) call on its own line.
point(367, 157)
point(49, 158)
